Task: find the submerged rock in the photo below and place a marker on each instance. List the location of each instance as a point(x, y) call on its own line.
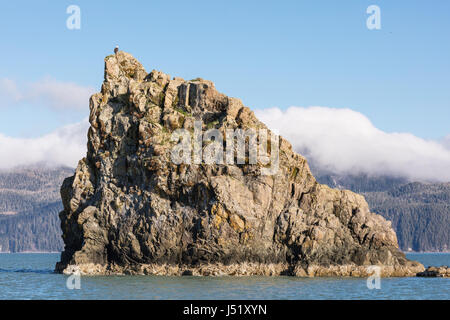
point(130, 209)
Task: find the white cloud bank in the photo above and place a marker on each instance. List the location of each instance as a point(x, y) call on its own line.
point(340, 140)
point(48, 92)
point(343, 141)
point(64, 146)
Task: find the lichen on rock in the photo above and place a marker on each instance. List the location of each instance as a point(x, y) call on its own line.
point(130, 209)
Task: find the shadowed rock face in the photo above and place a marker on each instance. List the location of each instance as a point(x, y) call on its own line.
point(130, 209)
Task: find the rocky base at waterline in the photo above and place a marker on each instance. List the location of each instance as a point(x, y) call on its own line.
point(244, 269)
point(435, 272)
point(130, 209)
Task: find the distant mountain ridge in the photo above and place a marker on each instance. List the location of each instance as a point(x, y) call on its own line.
point(420, 212)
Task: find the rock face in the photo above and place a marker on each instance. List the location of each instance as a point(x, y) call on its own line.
point(130, 209)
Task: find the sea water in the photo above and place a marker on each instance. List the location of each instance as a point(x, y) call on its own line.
point(31, 276)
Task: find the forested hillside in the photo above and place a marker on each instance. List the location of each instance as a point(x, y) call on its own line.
point(29, 206)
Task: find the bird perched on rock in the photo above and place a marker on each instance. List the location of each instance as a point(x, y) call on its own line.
point(116, 49)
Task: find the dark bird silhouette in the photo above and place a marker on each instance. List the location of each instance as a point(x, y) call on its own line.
point(116, 49)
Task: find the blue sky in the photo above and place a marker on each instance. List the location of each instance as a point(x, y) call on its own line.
point(268, 53)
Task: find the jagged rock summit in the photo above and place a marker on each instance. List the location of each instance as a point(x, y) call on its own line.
point(130, 209)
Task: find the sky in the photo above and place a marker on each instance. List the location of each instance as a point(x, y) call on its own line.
point(273, 55)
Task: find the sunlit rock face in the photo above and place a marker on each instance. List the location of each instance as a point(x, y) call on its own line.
point(130, 208)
